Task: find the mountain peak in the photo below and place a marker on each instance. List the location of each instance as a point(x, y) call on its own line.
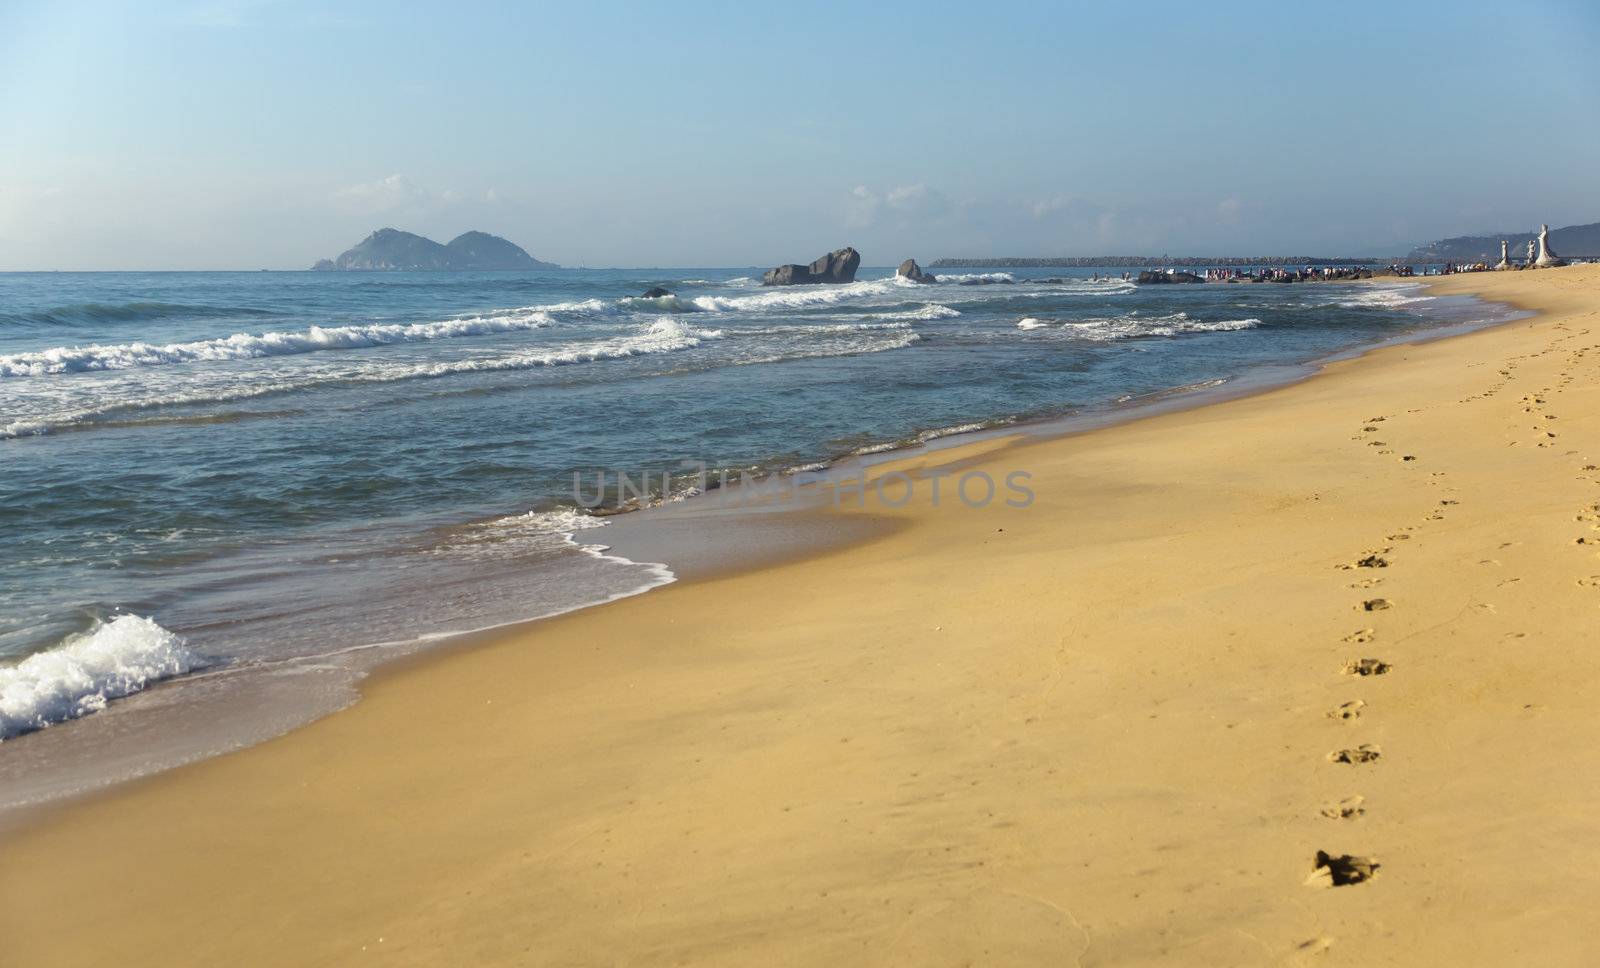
point(394, 249)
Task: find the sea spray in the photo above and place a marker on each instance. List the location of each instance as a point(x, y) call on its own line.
point(86, 671)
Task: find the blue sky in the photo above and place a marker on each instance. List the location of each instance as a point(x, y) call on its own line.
point(269, 134)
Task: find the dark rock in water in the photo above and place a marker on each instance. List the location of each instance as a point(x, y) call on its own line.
point(656, 293)
point(910, 270)
point(789, 275)
point(984, 281)
point(1148, 277)
point(838, 266)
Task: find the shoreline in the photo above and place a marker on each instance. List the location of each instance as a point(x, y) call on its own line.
point(657, 542)
point(921, 743)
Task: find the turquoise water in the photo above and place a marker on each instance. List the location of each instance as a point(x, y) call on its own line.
point(271, 466)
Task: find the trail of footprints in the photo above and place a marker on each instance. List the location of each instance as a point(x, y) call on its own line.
point(1340, 870)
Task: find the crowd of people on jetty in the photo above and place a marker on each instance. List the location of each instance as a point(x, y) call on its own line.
point(1308, 274)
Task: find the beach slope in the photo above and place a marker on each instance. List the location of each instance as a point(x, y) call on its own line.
point(1119, 726)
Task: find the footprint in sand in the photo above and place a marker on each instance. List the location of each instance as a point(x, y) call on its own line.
point(1340, 870)
point(1365, 753)
point(1367, 667)
point(1375, 605)
point(1359, 636)
point(1347, 711)
point(1349, 808)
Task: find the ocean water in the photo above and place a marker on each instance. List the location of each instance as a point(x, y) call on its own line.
point(204, 473)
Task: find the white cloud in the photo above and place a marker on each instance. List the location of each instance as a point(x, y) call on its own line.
point(863, 209)
point(1065, 206)
point(397, 194)
point(384, 195)
point(903, 204)
point(917, 200)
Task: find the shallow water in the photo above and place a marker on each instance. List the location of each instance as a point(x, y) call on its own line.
point(276, 466)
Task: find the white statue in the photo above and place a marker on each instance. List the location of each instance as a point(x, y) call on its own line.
point(1547, 258)
point(1529, 263)
point(1505, 260)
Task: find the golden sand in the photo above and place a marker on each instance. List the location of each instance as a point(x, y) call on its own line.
point(1112, 728)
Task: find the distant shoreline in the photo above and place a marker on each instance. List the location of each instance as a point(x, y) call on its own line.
point(1129, 261)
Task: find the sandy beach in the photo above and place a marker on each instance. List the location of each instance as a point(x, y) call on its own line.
point(1113, 727)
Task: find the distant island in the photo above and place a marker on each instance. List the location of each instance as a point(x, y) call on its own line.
point(392, 249)
point(1139, 261)
point(1574, 240)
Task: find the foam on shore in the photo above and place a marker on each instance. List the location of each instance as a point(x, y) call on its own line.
point(86, 671)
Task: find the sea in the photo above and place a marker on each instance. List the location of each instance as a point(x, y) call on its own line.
point(246, 487)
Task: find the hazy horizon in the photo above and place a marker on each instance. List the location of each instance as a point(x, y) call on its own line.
point(252, 135)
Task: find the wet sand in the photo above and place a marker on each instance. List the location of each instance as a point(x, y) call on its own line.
point(1113, 727)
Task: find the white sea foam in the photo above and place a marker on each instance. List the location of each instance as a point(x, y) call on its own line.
point(965, 428)
point(1386, 297)
point(892, 337)
point(242, 346)
point(1028, 322)
point(87, 671)
point(660, 336)
point(1132, 326)
point(925, 313)
point(796, 297)
point(670, 303)
point(558, 521)
point(980, 277)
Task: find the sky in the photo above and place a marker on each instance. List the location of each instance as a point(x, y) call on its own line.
point(223, 135)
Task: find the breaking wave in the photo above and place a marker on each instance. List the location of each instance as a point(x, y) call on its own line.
point(976, 277)
point(1386, 297)
point(662, 336)
point(244, 346)
point(88, 670)
point(1132, 326)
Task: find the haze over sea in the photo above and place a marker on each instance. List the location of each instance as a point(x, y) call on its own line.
point(246, 473)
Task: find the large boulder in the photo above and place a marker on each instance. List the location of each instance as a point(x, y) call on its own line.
point(910, 270)
point(789, 275)
point(838, 266)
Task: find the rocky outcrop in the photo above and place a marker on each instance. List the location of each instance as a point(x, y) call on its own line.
point(655, 293)
point(910, 270)
point(1157, 277)
point(838, 266)
point(392, 249)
